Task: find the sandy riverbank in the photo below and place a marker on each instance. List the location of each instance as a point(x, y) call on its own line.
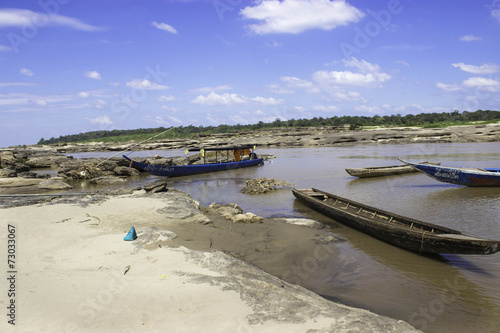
point(75, 273)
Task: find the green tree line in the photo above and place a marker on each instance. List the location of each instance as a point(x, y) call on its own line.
point(422, 119)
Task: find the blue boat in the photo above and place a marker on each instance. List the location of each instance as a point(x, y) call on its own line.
point(460, 176)
point(241, 160)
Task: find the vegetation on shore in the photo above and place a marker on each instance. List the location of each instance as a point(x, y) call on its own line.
point(426, 120)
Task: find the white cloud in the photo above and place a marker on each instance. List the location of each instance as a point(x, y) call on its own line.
point(469, 38)
point(448, 87)
point(402, 62)
point(83, 94)
point(220, 99)
point(26, 72)
point(102, 120)
point(12, 17)
point(4, 48)
point(296, 16)
point(233, 99)
point(482, 84)
point(348, 78)
point(277, 89)
point(483, 69)
point(296, 83)
point(169, 98)
point(164, 27)
point(369, 109)
point(368, 75)
point(362, 65)
point(267, 101)
point(146, 85)
point(207, 90)
point(9, 84)
point(170, 109)
point(346, 96)
point(329, 108)
point(100, 104)
point(92, 75)
point(496, 14)
point(163, 121)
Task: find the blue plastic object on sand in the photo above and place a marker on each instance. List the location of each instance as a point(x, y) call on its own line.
point(131, 235)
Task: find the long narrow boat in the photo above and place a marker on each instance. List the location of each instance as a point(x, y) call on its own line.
point(239, 161)
point(404, 232)
point(460, 176)
point(383, 170)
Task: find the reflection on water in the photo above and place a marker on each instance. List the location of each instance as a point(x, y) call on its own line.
point(446, 293)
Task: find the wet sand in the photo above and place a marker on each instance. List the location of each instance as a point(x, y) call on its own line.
point(75, 273)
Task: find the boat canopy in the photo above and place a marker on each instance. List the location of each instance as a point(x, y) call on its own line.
point(223, 148)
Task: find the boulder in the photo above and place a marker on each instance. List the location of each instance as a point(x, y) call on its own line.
point(246, 218)
point(305, 222)
point(225, 210)
point(54, 184)
point(126, 171)
point(234, 213)
point(264, 185)
point(46, 161)
point(6, 173)
point(179, 205)
point(29, 175)
point(18, 182)
point(156, 186)
point(108, 180)
point(19, 167)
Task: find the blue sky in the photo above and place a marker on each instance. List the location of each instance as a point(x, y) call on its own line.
point(71, 66)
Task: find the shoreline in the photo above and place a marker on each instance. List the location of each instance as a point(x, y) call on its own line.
point(77, 274)
point(20, 166)
point(294, 137)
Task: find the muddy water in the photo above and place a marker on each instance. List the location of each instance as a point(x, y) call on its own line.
point(448, 293)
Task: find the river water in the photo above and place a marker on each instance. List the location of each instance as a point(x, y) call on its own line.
point(446, 293)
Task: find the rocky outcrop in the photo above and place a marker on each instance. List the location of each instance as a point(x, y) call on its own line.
point(108, 180)
point(234, 213)
point(6, 173)
point(54, 184)
point(264, 185)
point(46, 161)
point(156, 186)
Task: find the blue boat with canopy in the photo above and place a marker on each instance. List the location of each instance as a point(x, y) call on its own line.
point(226, 158)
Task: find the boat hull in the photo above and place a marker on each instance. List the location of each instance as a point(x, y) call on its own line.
point(185, 170)
point(383, 170)
point(460, 176)
point(407, 233)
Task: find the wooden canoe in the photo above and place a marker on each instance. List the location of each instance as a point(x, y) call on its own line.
point(460, 176)
point(383, 170)
point(404, 232)
point(185, 170)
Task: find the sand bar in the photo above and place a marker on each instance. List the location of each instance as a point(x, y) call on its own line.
point(75, 273)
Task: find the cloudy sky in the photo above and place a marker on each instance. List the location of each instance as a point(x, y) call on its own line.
point(71, 66)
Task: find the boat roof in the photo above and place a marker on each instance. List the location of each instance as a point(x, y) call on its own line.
point(223, 148)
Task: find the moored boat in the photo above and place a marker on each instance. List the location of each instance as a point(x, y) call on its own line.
point(460, 176)
point(404, 232)
point(241, 157)
point(383, 170)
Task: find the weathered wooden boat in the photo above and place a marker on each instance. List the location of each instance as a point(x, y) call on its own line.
point(241, 157)
point(460, 176)
point(383, 170)
point(404, 232)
